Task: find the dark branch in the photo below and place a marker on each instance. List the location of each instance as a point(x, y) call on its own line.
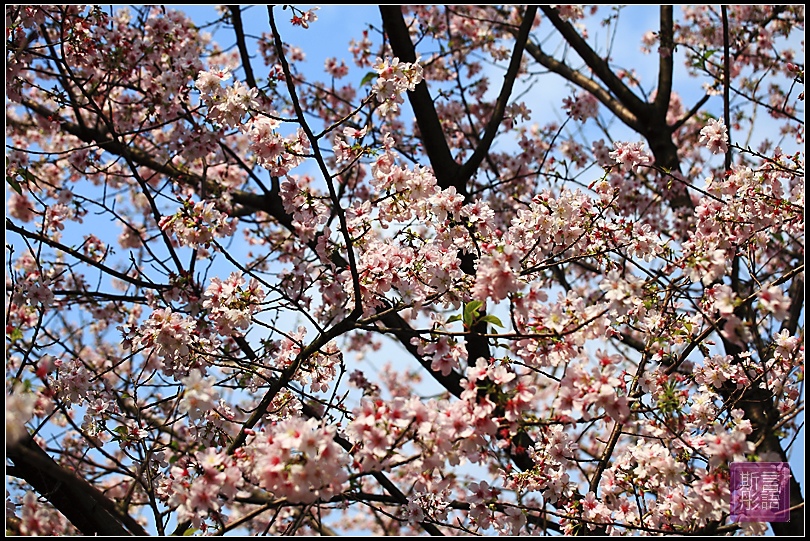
point(441, 159)
point(87, 508)
point(236, 17)
point(665, 65)
point(471, 166)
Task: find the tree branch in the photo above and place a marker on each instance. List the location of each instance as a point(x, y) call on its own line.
point(431, 132)
point(649, 120)
point(87, 508)
point(236, 17)
point(599, 66)
point(665, 64)
point(471, 165)
point(726, 85)
point(605, 98)
point(10, 226)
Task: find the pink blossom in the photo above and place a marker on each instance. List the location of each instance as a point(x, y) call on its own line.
point(722, 298)
point(594, 511)
point(230, 304)
point(19, 410)
point(20, 207)
point(336, 70)
point(199, 395)
point(209, 83)
point(582, 107)
point(498, 274)
point(198, 224)
point(631, 156)
point(395, 77)
point(773, 300)
point(298, 460)
point(569, 12)
point(303, 18)
point(715, 136)
point(445, 353)
point(37, 519)
point(725, 447)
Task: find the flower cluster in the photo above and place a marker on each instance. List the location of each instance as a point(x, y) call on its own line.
point(381, 427)
point(773, 300)
point(718, 369)
point(346, 152)
point(715, 136)
point(198, 487)
point(199, 396)
point(20, 207)
point(444, 353)
point(172, 337)
point(72, 381)
point(276, 153)
point(582, 107)
point(198, 224)
point(226, 106)
point(304, 204)
point(395, 77)
point(552, 456)
point(297, 459)
point(569, 12)
point(631, 156)
point(303, 18)
point(498, 274)
point(32, 290)
point(230, 305)
point(37, 519)
point(335, 69)
point(19, 410)
point(580, 390)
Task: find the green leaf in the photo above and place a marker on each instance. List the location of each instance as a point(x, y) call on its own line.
point(190, 531)
point(493, 320)
point(11, 181)
point(471, 311)
point(368, 78)
point(708, 54)
point(451, 319)
point(24, 173)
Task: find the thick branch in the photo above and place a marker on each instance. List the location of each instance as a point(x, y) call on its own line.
point(471, 166)
point(578, 78)
point(649, 120)
point(665, 65)
point(441, 159)
point(598, 65)
point(726, 85)
point(87, 508)
point(236, 17)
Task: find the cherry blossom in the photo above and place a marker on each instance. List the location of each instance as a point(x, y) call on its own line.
point(298, 460)
point(714, 136)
